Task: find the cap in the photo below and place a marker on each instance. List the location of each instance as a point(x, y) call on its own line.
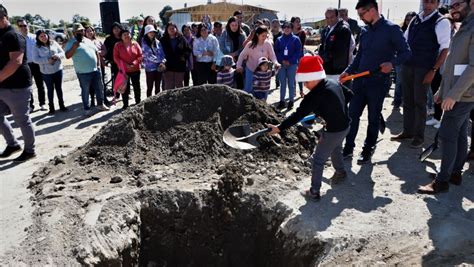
point(77, 27)
point(364, 3)
point(149, 28)
point(3, 11)
point(227, 61)
point(262, 60)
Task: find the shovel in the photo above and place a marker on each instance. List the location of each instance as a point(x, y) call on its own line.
point(239, 137)
point(429, 150)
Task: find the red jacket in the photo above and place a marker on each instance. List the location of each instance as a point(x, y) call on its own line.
point(131, 56)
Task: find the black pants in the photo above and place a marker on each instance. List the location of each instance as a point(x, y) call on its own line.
point(38, 76)
point(472, 131)
point(204, 73)
point(134, 77)
point(239, 80)
point(153, 78)
point(435, 84)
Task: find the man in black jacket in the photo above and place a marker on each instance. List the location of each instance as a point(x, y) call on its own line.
point(335, 49)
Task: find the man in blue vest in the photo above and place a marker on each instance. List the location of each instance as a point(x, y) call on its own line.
point(383, 46)
point(428, 36)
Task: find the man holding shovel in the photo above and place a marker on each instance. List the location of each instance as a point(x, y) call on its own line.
point(383, 46)
point(456, 96)
point(328, 100)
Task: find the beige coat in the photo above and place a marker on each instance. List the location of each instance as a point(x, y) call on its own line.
point(461, 53)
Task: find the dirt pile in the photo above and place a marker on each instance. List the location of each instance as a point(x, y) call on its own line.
point(157, 186)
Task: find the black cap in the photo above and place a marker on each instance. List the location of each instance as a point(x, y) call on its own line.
point(3, 11)
point(364, 3)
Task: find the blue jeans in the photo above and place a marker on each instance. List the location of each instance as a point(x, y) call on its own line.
point(286, 75)
point(368, 92)
point(94, 80)
point(54, 82)
point(397, 98)
point(453, 139)
point(248, 86)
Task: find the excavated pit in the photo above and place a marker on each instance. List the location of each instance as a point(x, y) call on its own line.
point(157, 186)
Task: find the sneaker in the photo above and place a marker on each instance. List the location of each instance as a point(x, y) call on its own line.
point(88, 113)
point(290, 105)
point(309, 194)
point(365, 157)
point(32, 108)
point(9, 150)
point(103, 108)
point(338, 177)
point(347, 153)
point(416, 143)
point(401, 137)
point(25, 156)
point(51, 112)
point(281, 105)
point(432, 122)
point(43, 108)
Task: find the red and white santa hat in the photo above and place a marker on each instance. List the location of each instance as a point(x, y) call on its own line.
point(310, 69)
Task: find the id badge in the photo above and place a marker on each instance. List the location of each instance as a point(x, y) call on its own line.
point(285, 52)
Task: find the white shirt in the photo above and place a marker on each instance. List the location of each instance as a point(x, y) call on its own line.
point(442, 29)
point(30, 46)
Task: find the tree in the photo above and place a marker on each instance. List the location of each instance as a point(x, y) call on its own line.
point(40, 21)
point(163, 17)
point(133, 20)
point(81, 19)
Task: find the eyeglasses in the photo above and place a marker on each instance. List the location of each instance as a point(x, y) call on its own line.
point(456, 5)
point(22, 26)
point(430, 1)
point(363, 13)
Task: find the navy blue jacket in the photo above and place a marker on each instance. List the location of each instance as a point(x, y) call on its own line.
point(379, 43)
point(293, 43)
point(335, 48)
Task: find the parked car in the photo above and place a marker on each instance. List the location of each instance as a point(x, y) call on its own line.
point(57, 35)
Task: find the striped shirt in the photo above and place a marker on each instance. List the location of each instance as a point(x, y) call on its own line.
point(261, 80)
point(226, 77)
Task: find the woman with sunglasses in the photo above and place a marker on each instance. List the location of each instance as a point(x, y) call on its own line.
point(206, 50)
point(48, 55)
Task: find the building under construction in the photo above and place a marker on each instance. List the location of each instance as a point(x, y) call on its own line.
point(221, 11)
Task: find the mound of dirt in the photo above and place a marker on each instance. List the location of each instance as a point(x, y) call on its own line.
point(157, 186)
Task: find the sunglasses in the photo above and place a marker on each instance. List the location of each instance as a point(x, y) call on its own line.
point(22, 26)
point(456, 5)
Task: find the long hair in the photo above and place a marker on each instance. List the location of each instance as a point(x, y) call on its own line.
point(141, 35)
point(411, 14)
point(38, 42)
point(261, 29)
point(93, 31)
point(171, 24)
point(227, 26)
point(292, 21)
point(200, 27)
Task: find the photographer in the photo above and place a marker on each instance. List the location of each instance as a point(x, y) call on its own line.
point(87, 65)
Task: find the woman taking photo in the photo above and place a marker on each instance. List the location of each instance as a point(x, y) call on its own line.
point(205, 49)
point(177, 51)
point(48, 55)
point(257, 48)
point(127, 53)
point(153, 59)
point(232, 43)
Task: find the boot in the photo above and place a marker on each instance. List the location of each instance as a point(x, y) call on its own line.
point(51, 109)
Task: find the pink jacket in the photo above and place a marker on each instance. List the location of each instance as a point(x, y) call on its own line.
point(253, 54)
point(131, 55)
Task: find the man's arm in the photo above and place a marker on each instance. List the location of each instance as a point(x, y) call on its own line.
point(16, 58)
point(72, 50)
point(401, 47)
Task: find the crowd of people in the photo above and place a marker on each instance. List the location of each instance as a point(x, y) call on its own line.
point(431, 54)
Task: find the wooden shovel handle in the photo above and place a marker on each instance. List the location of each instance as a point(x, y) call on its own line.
point(355, 76)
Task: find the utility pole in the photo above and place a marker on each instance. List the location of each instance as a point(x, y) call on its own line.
point(339, 5)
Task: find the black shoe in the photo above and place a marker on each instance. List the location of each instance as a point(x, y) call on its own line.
point(9, 150)
point(25, 156)
point(281, 105)
point(63, 108)
point(416, 143)
point(365, 157)
point(347, 152)
point(290, 105)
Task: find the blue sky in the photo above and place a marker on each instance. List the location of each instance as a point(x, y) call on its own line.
point(56, 9)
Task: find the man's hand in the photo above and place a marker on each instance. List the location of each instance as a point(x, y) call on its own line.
point(429, 77)
point(285, 63)
point(302, 94)
point(448, 104)
point(437, 99)
point(386, 67)
point(342, 76)
point(274, 130)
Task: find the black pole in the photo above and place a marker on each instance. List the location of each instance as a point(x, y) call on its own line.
point(339, 4)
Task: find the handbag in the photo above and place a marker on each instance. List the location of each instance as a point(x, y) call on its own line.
point(121, 80)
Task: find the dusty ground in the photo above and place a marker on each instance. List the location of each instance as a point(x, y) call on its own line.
point(67, 214)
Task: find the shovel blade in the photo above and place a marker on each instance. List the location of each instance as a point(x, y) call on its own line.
point(235, 132)
point(428, 151)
